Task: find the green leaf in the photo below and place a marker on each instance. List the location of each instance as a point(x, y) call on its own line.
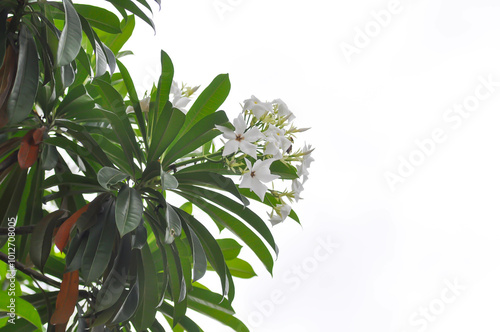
point(116, 42)
point(240, 210)
point(165, 130)
point(132, 7)
point(71, 36)
point(208, 102)
point(211, 179)
point(285, 171)
point(128, 210)
point(99, 18)
point(77, 100)
point(177, 283)
point(23, 309)
point(108, 177)
point(119, 121)
point(165, 81)
point(202, 132)
point(129, 307)
point(186, 323)
point(209, 299)
point(22, 96)
point(240, 268)
point(230, 248)
point(269, 200)
point(148, 290)
point(114, 285)
point(41, 238)
point(211, 248)
point(100, 245)
point(174, 227)
point(236, 227)
point(199, 257)
point(168, 181)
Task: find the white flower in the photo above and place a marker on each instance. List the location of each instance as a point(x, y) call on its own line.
point(276, 140)
point(239, 139)
point(297, 188)
point(178, 101)
point(256, 175)
point(258, 108)
point(283, 109)
point(144, 106)
point(302, 170)
point(282, 212)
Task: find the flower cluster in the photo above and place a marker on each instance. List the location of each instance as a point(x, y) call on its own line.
point(263, 135)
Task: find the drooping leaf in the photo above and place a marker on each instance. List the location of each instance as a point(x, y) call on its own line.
point(99, 18)
point(128, 210)
point(41, 239)
point(71, 36)
point(62, 235)
point(67, 298)
point(148, 290)
point(108, 176)
point(22, 96)
point(23, 309)
point(166, 127)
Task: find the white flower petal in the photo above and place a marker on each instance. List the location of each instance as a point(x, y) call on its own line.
point(239, 125)
point(249, 148)
point(253, 134)
point(246, 181)
point(230, 147)
point(259, 188)
point(249, 164)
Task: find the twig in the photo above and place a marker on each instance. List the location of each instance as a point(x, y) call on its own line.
point(32, 273)
point(18, 230)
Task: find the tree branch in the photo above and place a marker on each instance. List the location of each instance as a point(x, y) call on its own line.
point(32, 273)
point(18, 230)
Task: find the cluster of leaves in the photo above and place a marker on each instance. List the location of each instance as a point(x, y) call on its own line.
point(125, 252)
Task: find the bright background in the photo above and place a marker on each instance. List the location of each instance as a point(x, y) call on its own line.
point(397, 249)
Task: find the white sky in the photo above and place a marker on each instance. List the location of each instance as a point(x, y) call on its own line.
point(397, 248)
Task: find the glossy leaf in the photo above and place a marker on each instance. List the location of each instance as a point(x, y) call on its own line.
point(108, 177)
point(23, 309)
point(41, 239)
point(22, 96)
point(128, 210)
point(71, 36)
point(165, 130)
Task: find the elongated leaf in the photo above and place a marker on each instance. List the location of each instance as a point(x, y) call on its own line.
point(199, 257)
point(67, 298)
point(269, 200)
point(240, 269)
point(116, 42)
point(148, 290)
point(100, 245)
point(77, 100)
point(210, 246)
point(199, 134)
point(212, 180)
point(128, 210)
point(41, 239)
point(22, 96)
point(165, 130)
point(62, 235)
point(114, 285)
point(174, 226)
point(208, 102)
point(177, 283)
point(22, 308)
point(130, 305)
point(186, 323)
point(165, 81)
point(99, 18)
point(243, 212)
point(108, 177)
point(236, 227)
point(230, 248)
point(132, 7)
point(71, 36)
